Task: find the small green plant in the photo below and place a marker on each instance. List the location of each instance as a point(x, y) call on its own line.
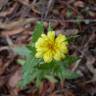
point(46, 57)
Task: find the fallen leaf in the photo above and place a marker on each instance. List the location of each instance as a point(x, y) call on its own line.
point(15, 78)
point(79, 4)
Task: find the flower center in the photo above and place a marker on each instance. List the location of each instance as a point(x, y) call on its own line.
point(51, 47)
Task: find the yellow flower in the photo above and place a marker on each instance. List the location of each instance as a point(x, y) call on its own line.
point(50, 47)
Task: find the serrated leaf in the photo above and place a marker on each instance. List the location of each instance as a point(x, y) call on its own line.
point(39, 29)
point(30, 77)
point(51, 78)
point(22, 50)
point(51, 65)
point(29, 64)
point(67, 74)
point(28, 71)
point(38, 82)
point(69, 60)
point(45, 66)
point(39, 77)
point(33, 51)
point(25, 81)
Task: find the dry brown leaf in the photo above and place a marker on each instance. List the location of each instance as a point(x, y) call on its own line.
point(79, 4)
point(12, 32)
point(9, 11)
point(67, 32)
point(15, 78)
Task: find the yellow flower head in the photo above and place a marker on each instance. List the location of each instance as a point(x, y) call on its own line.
point(50, 47)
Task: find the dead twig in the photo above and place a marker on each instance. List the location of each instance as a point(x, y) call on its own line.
point(12, 32)
point(4, 48)
point(69, 6)
point(49, 7)
point(85, 48)
point(9, 11)
point(16, 24)
point(23, 22)
point(31, 6)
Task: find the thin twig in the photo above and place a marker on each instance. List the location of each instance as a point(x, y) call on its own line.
point(30, 6)
point(4, 48)
point(85, 48)
point(18, 23)
point(9, 11)
point(12, 32)
point(68, 5)
point(23, 22)
point(9, 41)
point(50, 5)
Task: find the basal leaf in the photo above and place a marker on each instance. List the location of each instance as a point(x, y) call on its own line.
point(22, 50)
point(52, 65)
point(28, 71)
point(67, 74)
point(69, 60)
point(45, 66)
point(51, 78)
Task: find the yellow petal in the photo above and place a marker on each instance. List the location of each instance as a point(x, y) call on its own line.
point(63, 48)
point(39, 42)
point(42, 49)
point(57, 56)
point(61, 38)
point(62, 56)
point(51, 35)
point(44, 36)
point(49, 48)
point(48, 57)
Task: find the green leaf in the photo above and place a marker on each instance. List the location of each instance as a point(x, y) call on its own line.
point(22, 50)
point(28, 70)
point(33, 51)
point(67, 74)
point(48, 66)
point(38, 82)
point(69, 60)
point(39, 29)
point(21, 61)
point(25, 80)
point(36, 70)
point(39, 77)
point(51, 78)
point(29, 64)
point(45, 66)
